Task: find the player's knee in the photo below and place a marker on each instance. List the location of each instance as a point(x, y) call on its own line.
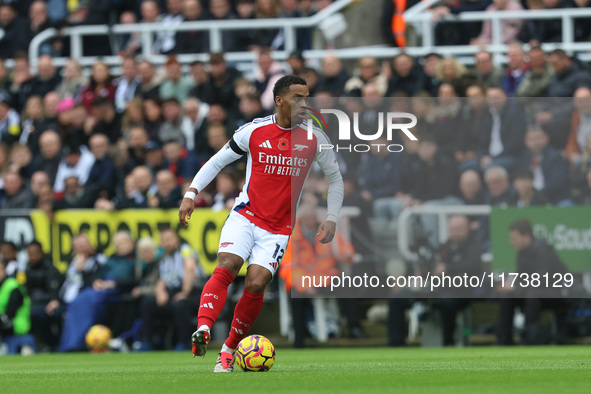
point(256, 285)
point(231, 264)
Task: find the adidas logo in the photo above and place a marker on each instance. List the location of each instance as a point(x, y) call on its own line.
point(207, 305)
point(266, 144)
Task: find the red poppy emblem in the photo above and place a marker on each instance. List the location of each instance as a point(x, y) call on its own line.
point(283, 144)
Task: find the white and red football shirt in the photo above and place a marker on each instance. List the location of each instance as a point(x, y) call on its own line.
point(278, 164)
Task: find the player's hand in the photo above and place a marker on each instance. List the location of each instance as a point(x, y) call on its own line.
point(328, 228)
point(185, 211)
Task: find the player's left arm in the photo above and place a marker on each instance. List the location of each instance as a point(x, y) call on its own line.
point(336, 190)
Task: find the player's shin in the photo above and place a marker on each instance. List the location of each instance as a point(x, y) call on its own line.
point(246, 312)
point(213, 297)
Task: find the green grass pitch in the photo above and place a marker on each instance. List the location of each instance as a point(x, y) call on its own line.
point(362, 370)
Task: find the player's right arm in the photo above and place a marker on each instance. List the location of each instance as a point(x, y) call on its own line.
point(232, 151)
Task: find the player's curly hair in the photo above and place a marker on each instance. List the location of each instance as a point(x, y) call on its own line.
point(282, 85)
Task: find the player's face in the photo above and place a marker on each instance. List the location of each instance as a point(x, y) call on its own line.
point(293, 102)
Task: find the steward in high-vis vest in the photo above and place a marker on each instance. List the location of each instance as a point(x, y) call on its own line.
point(15, 307)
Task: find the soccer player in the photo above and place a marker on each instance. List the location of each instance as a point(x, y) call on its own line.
point(280, 155)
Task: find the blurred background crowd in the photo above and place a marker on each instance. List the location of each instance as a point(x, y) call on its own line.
point(134, 137)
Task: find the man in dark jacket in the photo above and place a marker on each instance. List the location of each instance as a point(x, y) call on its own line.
point(47, 78)
point(17, 195)
point(458, 256)
point(534, 256)
point(502, 131)
point(408, 76)
point(550, 169)
point(14, 28)
point(43, 285)
point(568, 77)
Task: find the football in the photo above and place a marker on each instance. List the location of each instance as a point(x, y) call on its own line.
point(98, 337)
point(255, 354)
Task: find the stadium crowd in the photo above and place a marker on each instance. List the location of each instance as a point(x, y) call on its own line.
point(521, 135)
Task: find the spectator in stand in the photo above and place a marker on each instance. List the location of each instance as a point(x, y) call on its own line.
point(569, 75)
point(5, 77)
point(510, 28)
point(245, 10)
point(202, 89)
point(501, 141)
point(50, 103)
point(39, 180)
point(221, 10)
point(500, 192)
point(33, 122)
point(127, 85)
point(379, 175)
point(17, 194)
point(181, 163)
point(272, 38)
point(118, 277)
point(129, 44)
point(192, 41)
point(195, 125)
point(155, 157)
point(20, 161)
point(221, 83)
point(149, 255)
point(10, 128)
point(584, 197)
point(251, 108)
point(546, 30)
point(50, 146)
point(152, 117)
point(177, 291)
point(431, 63)
point(549, 167)
point(268, 73)
point(217, 136)
point(173, 128)
point(431, 179)
point(101, 85)
point(450, 70)
point(580, 125)
point(73, 82)
point(407, 76)
point(368, 72)
point(168, 192)
point(138, 138)
point(165, 38)
point(516, 69)
point(103, 175)
point(526, 194)
point(132, 117)
point(107, 119)
point(39, 21)
point(43, 285)
point(457, 33)
point(448, 120)
point(150, 12)
point(488, 75)
point(471, 190)
point(47, 78)
point(227, 187)
point(15, 37)
point(296, 62)
point(175, 84)
point(77, 161)
point(15, 267)
point(150, 80)
point(536, 80)
point(468, 138)
point(334, 77)
point(21, 80)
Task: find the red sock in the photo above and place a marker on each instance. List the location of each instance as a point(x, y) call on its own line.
point(213, 296)
point(246, 312)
